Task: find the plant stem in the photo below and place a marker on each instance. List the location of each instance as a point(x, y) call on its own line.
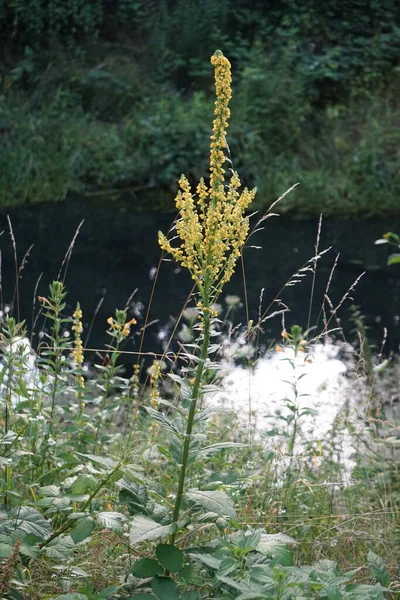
point(191, 415)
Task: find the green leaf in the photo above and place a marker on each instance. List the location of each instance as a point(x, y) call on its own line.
point(73, 596)
point(214, 501)
point(82, 529)
point(143, 528)
point(207, 559)
point(191, 575)
point(165, 588)
point(378, 568)
point(191, 595)
point(170, 557)
point(276, 545)
point(106, 594)
point(30, 520)
point(60, 547)
point(141, 597)
point(146, 567)
point(134, 496)
point(111, 520)
point(30, 546)
point(109, 463)
point(5, 547)
point(394, 259)
point(83, 484)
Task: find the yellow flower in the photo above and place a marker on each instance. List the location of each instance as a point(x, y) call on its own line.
point(212, 225)
point(77, 352)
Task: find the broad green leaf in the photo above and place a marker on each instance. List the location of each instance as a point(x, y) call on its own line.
point(191, 595)
point(30, 520)
point(276, 545)
point(109, 463)
point(5, 547)
point(55, 502)
point(82, 529)
point(60, 547)
point(165, 588)
point(134, 496)
point(207, 559)
point(83, 484)
point(191, 575)
point(214, 501)
point(30, 546)
point(332, 592)
point(146, 567)
point(170, 557)
point(378, 568)
point(364, 592)
point(142, 597)
point(143, 528)
point(111, 520)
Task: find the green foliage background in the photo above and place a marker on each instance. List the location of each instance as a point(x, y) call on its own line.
point(105, 96)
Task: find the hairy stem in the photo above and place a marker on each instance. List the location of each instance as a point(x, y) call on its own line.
point(191, 415)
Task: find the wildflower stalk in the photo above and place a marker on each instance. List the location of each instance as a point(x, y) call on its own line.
point(191, 415)
point(212, 228)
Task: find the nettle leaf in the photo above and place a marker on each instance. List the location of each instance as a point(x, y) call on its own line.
point(111, 520)
point(170, 557)
point(82, 529)
point(145, 529)
point(214, 501)
point(165, 588)
point(364, 592)
point(141, 597)
point(191, 575)
point(332, 592)
point(378, 568)
point(163, 420)
point(28, 519)
point(60, 547)
point(276, 545)
point(146, 567)
point(207, 559)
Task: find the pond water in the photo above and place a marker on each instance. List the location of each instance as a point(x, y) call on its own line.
point(116, 252)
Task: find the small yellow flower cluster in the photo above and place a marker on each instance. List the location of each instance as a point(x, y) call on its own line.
point(212, 225)
point(155, 374)
point(125, 328)
point(77, 352)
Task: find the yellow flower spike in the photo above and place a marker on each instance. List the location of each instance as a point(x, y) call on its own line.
point(77, 353)
point(212, 225)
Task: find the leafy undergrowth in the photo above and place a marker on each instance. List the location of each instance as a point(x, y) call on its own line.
point(90, 473)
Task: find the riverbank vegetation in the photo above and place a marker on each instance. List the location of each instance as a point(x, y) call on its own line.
point(112, 98)
point(140, 486)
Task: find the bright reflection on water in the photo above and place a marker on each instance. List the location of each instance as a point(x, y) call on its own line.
point(318, 386)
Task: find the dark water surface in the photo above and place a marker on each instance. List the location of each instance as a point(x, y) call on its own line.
point(116, 251)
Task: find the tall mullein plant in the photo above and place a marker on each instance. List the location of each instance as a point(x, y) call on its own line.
point(212, 228)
